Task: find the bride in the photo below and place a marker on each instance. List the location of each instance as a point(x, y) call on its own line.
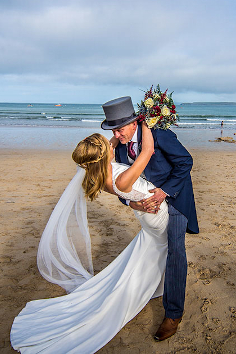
point(96, 307)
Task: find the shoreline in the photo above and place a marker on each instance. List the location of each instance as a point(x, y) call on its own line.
point(33, 180)
point(66, 138)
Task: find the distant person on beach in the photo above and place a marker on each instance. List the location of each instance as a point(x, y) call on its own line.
point(97, 307)
point(169, 170)
point(221, 124)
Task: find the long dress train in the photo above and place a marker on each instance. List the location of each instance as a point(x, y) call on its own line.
point(93, 313)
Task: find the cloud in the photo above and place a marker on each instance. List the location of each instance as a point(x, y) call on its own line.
point(184, 45)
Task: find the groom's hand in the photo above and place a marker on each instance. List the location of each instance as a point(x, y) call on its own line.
point(152, 204)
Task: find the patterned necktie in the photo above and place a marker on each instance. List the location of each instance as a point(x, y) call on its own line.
point(131, 152)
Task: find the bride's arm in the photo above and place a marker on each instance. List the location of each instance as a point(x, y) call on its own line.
point(127, 178)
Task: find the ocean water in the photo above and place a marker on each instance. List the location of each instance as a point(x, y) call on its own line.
point(207, 115)
point(49, 126)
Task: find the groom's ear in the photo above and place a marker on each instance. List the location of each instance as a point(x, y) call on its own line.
point(134, 125)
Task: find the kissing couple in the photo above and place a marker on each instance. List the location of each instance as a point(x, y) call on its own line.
point(151, 175)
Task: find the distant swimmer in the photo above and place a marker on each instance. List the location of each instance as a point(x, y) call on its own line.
point(222, 123)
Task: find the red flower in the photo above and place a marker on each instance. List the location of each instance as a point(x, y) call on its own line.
point(149, 93)
point(157, 109)
point(141, 118)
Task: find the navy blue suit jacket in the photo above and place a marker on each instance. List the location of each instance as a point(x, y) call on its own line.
point(169, 169)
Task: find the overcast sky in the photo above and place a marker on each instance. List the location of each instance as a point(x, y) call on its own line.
point(91, 51)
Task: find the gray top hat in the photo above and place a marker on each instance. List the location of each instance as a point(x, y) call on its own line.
point(118, 112)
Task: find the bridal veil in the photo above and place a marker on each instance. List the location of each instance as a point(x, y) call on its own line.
point(64, 253)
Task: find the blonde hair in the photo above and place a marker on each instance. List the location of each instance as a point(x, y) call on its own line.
point(93, 154)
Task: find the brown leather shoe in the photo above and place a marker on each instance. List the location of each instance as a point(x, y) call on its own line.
point(167, 328)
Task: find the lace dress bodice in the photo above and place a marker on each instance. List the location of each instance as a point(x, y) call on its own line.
point(140, 188)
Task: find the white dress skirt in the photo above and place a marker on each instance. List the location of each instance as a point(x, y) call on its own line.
point(96, 307)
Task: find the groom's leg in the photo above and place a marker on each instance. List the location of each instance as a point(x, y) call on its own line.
point(176, 265)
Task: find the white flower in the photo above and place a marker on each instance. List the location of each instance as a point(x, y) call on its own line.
point(165, 111)
point(149, 103)
point(151, 122)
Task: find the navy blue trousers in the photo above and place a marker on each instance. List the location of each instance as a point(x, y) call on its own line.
point(176, 265)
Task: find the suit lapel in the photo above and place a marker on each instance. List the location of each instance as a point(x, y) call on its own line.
point(139, 134)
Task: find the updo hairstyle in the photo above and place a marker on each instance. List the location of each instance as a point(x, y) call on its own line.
point(93, 154)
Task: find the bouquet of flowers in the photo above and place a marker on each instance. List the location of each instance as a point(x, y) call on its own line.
point(157, 109)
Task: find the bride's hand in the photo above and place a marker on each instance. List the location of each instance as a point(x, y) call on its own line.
point(140, 207)
point(114, 142)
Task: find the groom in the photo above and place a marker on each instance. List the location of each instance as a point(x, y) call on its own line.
point(169, 170)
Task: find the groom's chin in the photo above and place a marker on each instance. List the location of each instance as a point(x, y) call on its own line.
point(123, 141)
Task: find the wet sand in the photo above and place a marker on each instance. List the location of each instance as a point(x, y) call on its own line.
point(31, 184)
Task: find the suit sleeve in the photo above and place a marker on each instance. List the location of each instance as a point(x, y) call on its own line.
point(178, 157)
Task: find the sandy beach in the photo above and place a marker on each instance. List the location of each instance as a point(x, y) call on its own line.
point(31, 184)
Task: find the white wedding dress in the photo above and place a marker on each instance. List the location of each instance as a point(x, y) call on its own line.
point(97, 307)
